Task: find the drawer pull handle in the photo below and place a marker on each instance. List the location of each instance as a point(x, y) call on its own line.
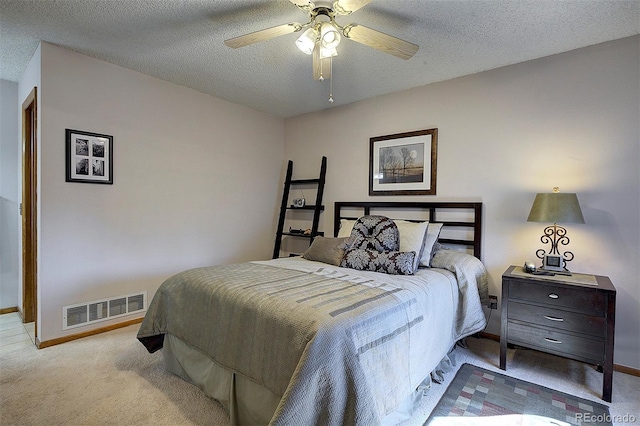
point(553, 318)
point(552, 340)
point(553, 296)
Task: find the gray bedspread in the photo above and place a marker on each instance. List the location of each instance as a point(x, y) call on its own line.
point(340, 346)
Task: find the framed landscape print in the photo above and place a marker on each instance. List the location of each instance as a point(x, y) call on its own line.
point(404, 163)
point(89, 157)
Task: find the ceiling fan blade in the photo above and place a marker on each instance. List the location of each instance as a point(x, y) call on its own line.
point(381, 41)
point(321, 66)
point(345, 7)
point(263, 35)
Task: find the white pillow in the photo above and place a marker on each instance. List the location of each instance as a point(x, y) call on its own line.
point(346, 225)
point(412, 238)
point(433, 232)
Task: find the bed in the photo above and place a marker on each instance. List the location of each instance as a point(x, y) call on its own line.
point(305, 341)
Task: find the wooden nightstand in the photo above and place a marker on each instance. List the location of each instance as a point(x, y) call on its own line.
point(571, 316)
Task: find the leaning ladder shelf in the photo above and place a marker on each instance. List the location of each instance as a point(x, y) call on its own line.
point(317, 208)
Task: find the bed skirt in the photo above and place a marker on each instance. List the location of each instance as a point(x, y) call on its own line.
point(248, 403)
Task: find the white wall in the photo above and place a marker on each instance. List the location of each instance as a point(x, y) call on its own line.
point(196, 182)
point(569, 120)
point(9, 199)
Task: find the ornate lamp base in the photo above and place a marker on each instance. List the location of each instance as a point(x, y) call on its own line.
point(555, 235)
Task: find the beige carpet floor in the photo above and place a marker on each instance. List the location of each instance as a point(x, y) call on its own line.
point(110, 379)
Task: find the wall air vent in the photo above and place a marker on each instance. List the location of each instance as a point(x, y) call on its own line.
point(76, 315)
point(87, 313)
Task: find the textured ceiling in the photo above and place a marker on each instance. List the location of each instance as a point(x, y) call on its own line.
point(182, 41)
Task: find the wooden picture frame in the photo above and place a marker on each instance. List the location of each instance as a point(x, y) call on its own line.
point(403, 163)
point(89, 157)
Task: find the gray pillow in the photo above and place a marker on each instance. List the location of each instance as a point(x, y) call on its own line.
point(327, 250)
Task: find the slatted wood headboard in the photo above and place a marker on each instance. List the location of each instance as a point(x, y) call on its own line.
point(435, 212)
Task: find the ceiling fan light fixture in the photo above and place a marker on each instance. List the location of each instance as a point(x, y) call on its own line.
point(323, 34)
point(329, 36)
point(327, 53)
point(307, 41)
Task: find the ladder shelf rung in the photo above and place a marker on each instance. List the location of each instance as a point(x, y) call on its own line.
point(295, 234)
point(304, 208)
point(302, 181)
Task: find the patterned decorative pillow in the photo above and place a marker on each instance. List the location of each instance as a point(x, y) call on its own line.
point(375, 232)
point(388, 262)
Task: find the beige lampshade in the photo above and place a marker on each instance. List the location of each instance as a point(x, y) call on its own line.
point(556, 208)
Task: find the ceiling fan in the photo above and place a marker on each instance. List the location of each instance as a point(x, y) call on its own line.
point(322, 34)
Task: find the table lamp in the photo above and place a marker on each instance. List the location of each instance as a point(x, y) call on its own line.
point(555, 208)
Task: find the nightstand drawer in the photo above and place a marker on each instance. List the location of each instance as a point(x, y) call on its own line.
point(556, 318)
point(564, 296)
point(557, 342)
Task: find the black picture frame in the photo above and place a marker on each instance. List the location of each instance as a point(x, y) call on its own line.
point(89, 157)
point(404, 163)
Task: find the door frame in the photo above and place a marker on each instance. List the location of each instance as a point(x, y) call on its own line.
point(28, 207)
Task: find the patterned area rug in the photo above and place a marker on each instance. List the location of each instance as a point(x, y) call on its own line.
point(481, 397)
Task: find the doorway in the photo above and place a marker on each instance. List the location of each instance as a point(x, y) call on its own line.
point(28, 207)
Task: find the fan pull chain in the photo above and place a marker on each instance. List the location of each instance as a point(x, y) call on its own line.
point(321, 79)
point(331, 80)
